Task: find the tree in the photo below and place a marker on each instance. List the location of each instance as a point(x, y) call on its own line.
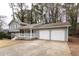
point(29, 17)
point(12, 5)
point(37, 12)
point(40, 12)
point(0, 25)
point(34, 13)
point(2, 22)
point(72, 12)
point(55, 11)
point(21, 12)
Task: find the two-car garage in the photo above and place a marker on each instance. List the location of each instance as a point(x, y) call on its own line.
point(54, 34)
point(53, 31)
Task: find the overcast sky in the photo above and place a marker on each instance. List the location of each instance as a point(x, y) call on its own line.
point(5, 10)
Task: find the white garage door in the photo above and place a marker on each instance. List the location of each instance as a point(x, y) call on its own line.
point(58, 34)
point(44, 34)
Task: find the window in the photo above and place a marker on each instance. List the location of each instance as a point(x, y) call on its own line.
point(21, 31)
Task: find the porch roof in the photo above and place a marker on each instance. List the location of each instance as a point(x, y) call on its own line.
point(29, 26)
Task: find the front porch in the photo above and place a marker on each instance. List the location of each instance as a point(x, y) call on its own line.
point(26, 32)
point(26, 35)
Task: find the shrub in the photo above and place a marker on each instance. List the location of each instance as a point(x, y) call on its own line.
point(4, 35)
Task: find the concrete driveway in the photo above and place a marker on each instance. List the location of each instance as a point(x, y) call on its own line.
point(33, 48)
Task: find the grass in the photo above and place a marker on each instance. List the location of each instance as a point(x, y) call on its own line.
point(6, 42)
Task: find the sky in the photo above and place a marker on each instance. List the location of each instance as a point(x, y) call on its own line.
point(5, 10)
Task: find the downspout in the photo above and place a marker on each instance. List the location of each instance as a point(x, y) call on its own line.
point(50, 34)
point(67, 33)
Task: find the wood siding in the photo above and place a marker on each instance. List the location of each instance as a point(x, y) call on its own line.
point(14, 26)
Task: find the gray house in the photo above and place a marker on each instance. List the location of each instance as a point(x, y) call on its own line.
point(53, 31)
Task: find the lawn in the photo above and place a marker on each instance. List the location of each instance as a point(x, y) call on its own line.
point(7, 42)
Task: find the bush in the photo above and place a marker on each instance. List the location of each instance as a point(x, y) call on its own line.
point(4, 35)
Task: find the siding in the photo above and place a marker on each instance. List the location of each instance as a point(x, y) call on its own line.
point(14, 26)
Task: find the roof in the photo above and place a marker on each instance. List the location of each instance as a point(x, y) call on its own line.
point(24, 24)
point(14, 20)
point(52, 25)
point(45, 26)
point(18, 21)
point(29, 26)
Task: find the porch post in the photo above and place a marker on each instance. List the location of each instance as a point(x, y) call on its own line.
point(30, 33)
point(24, 33)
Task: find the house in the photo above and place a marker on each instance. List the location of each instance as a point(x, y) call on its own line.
point(53, 31)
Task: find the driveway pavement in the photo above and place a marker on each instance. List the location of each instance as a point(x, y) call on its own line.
point(33, 48)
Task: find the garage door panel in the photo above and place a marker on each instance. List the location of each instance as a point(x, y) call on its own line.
point(58, 34)
point(44, 34)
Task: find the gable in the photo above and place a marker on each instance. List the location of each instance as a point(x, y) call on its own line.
point(14, 25)
point(17, 21)
point(13, 22)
